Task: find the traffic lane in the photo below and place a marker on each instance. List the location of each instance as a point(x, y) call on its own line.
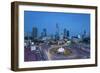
point(81, 53)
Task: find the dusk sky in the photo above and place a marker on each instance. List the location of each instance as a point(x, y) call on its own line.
point(74, 22)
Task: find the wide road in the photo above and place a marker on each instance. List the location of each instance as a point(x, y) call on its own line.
point(79, 51)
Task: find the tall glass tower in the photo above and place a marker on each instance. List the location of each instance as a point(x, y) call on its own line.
point(57, 32)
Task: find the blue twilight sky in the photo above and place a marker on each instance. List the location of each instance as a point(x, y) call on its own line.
point(76, 23)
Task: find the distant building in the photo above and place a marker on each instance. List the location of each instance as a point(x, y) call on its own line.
point(41, 35)
point(75, 39)
point(66, 33)
point(44, 32)
point(33, 47)
point(27, 36)
point(46, 38)
point(57, 32)
point(61, 36)
point(79, 36)
point(56, 36)
point(60, 42)
point(34, 33)
point(84, 34)
point(52, 37)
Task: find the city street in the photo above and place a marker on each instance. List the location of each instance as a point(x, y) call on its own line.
point(42, 53)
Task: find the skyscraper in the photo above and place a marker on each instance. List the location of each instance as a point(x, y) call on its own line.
point(57, 32)
point(66, 33)
point(27, 35)
point(34, 33)
point(44, 32)
point(84, 34)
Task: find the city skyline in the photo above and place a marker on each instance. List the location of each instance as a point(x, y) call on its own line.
point(73, 22)
point(56, 36)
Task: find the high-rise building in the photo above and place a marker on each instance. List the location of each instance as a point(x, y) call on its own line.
point(84, 34)
point(66, 33)
point(34, 33)
point(57, 32)
point(44, 32)
point(27, 35)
